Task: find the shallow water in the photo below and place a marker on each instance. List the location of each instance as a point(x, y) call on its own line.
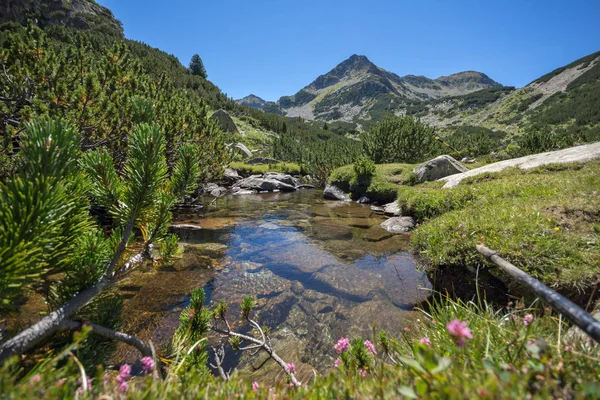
point(318, 269)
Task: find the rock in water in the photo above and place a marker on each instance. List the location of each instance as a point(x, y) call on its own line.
point(438, 168)
point(263, 184)
point(398, 224)
point(334, 193)
point(392, 209)
point(231, 175)
point(363, 200)
point(285, 178)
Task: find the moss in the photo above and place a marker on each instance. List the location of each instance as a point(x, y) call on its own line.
point(542, 220)
point(246, 169)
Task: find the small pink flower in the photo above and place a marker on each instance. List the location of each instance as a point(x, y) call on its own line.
point(255, 387)
point(125, 371)
point(460, 226)
point(568, 348)
point(362, 372)
point(464, 236)
point(123, 386)
point(88, 381)
point(342, 345)
point(425, 341)
point(527, 319)
point(147, 364)
point(459, 331)
point(291, 368)
point(337, 363)
point(370, 347)
point(36, 378)
point(433, 321)
point(60, 382)
point(406, 329)
point(530, 342)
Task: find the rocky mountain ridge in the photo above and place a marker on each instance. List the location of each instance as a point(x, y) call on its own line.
point(357, 89)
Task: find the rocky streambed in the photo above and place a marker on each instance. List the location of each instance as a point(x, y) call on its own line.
point(318, 269)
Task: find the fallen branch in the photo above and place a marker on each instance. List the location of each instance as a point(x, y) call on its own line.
point(219, 357)
point(572, 311)
point(258, 344)
point(145, 349)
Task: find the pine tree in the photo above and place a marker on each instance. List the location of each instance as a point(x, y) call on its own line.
point(197, 66)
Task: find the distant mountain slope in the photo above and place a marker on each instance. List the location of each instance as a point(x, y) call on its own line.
point(357, 90)
point(566, 99)
point(251, 101)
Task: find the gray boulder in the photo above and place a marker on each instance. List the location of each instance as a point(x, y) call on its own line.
point(398, 224)
point(438, 168)
point(363, 200)
point(334, 193)
point(231, 175)
point(264, 184)
point(218, 192)
point(392, 209)
point(225, 121)
point(305, 186)
point(285, 178)
point(239, 192)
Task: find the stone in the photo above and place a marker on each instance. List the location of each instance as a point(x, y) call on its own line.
point(285, 178)
point(263, 184)
point(262, 160)
point(225, 121)
point(244, 191)
point(392, 209)
point(363, 200)
point(231, 175)
point(332, 192)
point(376, 209)
point(218, 191)
point(438, 168)
point(398, 224)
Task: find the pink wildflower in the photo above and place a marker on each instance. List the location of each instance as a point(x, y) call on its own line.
point(425, 341)
point(60, 382)
point(459, 331)
point(370, 347)
point(362, 372)
point(342, 345)
point(255, 387)
point(147, 364)
point(291, 368)
point(123, 386)
point(88, 381)
point(125, 371)
point(530, 342)
point(433, 321)
point(36, 378)
point(406, 329)
point(337, 363)
point(464, 236)
point(568, 348)
point(527, 319)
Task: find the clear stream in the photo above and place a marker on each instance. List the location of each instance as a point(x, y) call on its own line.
point(318, 269)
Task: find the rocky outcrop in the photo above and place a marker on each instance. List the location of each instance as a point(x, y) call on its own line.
point(582, 153)
point(79, 14)
point(398, 224)
point(285, 178)
point(231, 175)
point(225, 121)
point(438, 168)
point(332, 192)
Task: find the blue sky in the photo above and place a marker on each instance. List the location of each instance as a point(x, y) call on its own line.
point(275, 47)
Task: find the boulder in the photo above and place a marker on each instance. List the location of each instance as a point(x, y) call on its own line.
point(334, 193)
point(438, 168)
point(392, 209)
point(262, 160)
point(225, 121)
point(263, 184)
point(305, 186)
point(244, 191)
point(363, 200)
point(285, 178)
point(398, 224)
point(218, 192)
point(231, 175)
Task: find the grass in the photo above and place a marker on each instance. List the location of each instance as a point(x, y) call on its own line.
point(384, 185)
point(506, 358)
point(246, 169)
point(545, 220)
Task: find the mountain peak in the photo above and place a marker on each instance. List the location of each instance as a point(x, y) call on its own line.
point(251, 100)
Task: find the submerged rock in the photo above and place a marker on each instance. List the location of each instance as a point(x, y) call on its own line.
point(334, 193)
point(399, 224)
point(438, 168)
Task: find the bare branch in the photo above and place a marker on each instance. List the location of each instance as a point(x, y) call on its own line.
point(111, 334)
point(219, 357)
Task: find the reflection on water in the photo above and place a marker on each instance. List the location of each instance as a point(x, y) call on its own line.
point(319, 270)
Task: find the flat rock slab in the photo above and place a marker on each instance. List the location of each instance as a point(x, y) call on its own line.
point(582, 153)
point(398, 224)
point(334, 193)
point(437, 168)
point(392, 209)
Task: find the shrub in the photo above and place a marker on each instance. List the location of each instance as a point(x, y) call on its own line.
point(400, 139)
